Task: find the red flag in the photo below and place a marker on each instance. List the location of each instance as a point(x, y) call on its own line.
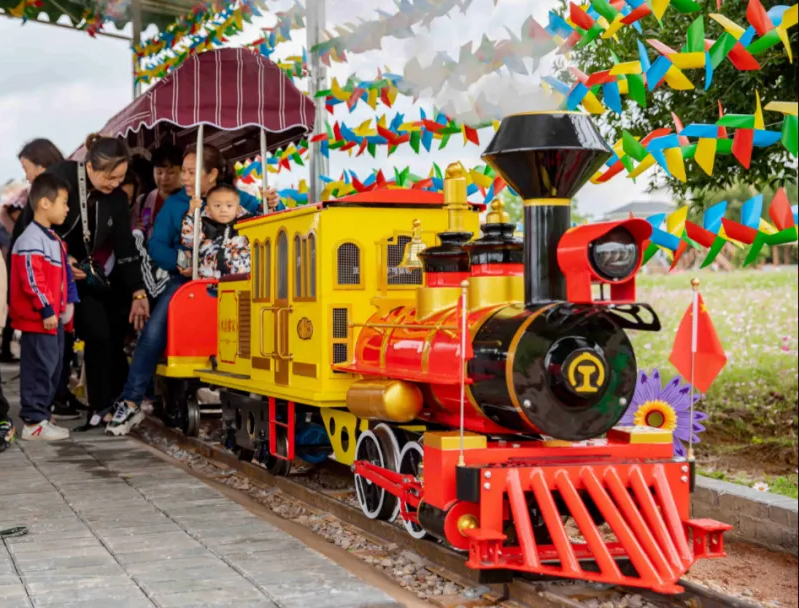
point(701, 340)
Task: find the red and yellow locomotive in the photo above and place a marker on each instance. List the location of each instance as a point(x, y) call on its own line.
point(482, 399)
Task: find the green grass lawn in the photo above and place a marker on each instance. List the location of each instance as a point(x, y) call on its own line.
point(752, 429)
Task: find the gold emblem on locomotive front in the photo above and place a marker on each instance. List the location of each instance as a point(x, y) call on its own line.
point(586, 373)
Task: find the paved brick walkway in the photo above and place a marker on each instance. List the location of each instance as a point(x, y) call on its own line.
point(111, 525)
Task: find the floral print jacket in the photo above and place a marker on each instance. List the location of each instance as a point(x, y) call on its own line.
point(222, 250)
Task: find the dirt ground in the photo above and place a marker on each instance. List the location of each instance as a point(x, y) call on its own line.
point(752, 572)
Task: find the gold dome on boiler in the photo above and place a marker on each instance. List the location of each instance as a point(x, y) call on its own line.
point(497, 215)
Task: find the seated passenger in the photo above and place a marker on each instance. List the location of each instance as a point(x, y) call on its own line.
point(166, 163)
point(222, 250)
point(165, 246)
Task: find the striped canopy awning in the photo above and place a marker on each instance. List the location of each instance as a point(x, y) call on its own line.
point(234, 92)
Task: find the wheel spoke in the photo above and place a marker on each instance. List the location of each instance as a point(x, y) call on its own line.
point(410, 464)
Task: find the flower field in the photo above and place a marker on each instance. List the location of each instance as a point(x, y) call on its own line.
point(752, 405)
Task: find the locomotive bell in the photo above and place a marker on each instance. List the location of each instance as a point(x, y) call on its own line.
point(410, 257)
point(546, 157)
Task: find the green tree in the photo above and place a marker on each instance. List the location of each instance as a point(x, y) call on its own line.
point(776, 81)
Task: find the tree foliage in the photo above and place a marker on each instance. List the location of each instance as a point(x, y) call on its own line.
point(776, 81)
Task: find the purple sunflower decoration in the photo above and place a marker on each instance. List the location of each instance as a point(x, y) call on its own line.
point(664, 407)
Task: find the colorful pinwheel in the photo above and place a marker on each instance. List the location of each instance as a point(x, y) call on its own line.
point(771, 28)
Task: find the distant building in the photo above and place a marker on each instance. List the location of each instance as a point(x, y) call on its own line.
point(642, 209)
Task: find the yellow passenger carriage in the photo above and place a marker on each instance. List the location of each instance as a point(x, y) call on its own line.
point(318, 272)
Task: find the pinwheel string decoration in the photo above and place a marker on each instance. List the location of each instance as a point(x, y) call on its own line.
point(383, 89)
point(417, 134)
point(674, 233)
point(670, 150)
point(209, 33)
point(636, 78)
point(482, 182)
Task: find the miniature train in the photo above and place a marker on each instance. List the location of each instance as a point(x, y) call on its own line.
point(346, 341)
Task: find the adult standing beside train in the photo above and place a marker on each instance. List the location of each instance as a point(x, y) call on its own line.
point(164, 246)
point(98, 238)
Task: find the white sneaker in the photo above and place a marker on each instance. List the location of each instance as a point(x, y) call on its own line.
point(126, 417)
point(44, 431)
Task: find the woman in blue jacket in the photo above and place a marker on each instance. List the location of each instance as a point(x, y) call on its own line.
point(164, 246)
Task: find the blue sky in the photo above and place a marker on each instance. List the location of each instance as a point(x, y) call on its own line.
point(63, 85)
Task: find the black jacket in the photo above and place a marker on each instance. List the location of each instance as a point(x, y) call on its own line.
point(110, 225)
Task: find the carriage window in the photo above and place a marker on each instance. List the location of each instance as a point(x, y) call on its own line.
point(256, 268)
point(311, 266)
point(282, 266)
point(261, 271)
point(305, 267)
point(298, 267)
point(341, 336)
point(394, 274)
point(266, 270)
point(348, 264)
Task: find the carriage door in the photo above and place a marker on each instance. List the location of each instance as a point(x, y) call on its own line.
point(282, 311)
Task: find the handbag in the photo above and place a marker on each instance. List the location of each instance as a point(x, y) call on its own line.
point(95, 273)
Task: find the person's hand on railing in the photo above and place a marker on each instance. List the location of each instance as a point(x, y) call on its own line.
point(271, 197)
point(194, 204)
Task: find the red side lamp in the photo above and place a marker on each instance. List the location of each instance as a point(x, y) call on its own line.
point(607, 253)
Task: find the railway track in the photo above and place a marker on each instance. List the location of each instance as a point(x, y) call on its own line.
point(443, 561)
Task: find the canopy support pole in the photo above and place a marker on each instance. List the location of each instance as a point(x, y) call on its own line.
point(264, 174)
point(198, 180)
point(135, 18)
point(317, 81)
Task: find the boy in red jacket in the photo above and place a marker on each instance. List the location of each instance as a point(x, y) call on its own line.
point(42, 292)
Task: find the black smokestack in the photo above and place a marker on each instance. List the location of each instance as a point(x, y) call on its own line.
point(546, 158)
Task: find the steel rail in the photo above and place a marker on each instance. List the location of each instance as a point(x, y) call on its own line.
point(532, 591)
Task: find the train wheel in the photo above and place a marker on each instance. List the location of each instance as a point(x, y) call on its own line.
point(279, 467)
point(191, 416)
point(375, 502)
point(391, 444)
point(410, 463)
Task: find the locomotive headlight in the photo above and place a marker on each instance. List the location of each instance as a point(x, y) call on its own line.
point(614, 255)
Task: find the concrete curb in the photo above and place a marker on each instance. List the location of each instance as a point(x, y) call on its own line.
point(760, 518)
